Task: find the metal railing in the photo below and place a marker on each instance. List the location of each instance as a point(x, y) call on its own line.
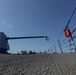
point(65, 44)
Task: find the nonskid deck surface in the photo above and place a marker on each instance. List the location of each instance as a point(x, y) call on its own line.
point(40, 64)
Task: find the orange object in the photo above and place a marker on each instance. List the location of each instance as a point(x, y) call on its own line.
point(67, 32)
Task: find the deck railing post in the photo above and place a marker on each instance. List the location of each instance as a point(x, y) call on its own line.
point(55, 48)
point(60, 46)
point(52, 49)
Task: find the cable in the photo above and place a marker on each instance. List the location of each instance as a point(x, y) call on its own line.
point(61, 34)
point(67, 46)
point(71, 17)
point(64, 43)
point(69, 49)
point(63, 40)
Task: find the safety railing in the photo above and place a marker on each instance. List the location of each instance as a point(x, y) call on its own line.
point(65, 44)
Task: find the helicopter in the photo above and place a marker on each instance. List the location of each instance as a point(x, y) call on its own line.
point(4, 45)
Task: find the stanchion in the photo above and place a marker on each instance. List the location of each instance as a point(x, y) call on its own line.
point(60, 46)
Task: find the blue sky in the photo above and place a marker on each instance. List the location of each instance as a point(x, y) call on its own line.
point(35, 17)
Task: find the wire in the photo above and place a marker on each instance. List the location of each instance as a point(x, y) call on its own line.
point(60, 34)
point(69, 49)
point(71, 17)
point(67, 46)
point(63, 40)
point(64, 43)
point(73, 31)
